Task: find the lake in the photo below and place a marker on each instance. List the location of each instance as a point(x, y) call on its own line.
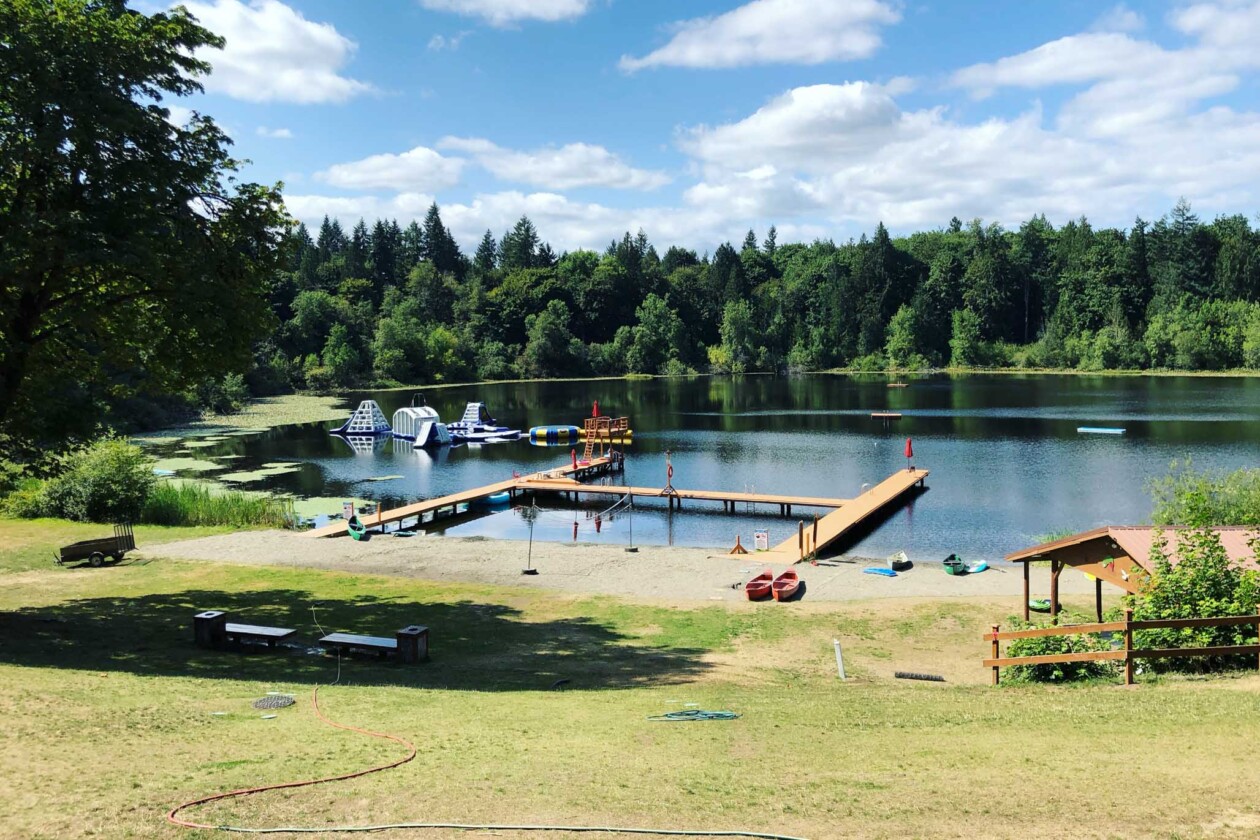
point(1007, 462)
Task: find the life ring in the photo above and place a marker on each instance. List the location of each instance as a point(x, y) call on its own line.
point(669, 471)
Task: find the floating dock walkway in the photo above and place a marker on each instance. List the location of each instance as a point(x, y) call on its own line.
point(598, 466)
point(820, 534)
point(675, 496)
point(847, 515)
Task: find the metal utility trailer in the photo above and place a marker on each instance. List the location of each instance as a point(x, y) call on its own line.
point(95, 551)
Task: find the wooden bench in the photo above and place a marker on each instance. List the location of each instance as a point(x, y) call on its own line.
point(211, 629)
point(352, 641)
point(257, 633)
point(410, 643)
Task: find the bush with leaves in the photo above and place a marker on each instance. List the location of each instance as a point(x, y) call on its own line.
point(1049, 645)
point(107, 481)
point(1204, 583)
point(1201, 499)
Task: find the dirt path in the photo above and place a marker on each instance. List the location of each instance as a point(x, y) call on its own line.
point(654, 572)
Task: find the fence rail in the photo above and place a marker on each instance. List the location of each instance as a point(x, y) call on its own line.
point(1127, 653)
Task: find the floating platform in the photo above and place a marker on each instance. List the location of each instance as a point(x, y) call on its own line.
point(1099, 430)
point(885, 415)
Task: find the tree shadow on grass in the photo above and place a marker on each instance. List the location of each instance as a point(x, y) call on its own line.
point(472, 646)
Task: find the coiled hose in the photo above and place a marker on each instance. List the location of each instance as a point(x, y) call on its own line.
point(174, 817)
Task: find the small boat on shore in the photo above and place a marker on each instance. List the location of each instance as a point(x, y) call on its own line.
point(879, 570)
point(356, 527)
point(759, 587)
point(786, 585)
point(977, 567)
point(899, 562)
point(954, 565)
point(1039, 604)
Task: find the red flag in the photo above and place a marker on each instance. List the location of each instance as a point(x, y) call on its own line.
point(909, 449)
point(595, 409)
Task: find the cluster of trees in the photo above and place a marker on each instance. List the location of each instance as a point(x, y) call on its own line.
point(391, 304)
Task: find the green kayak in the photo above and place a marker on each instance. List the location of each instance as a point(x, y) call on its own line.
point(1039, 604)
point(357, 528)
point(954, 565)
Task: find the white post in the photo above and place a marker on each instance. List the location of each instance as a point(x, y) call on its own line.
point(839, 658)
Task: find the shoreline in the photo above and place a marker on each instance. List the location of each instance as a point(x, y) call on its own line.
point(674, 575)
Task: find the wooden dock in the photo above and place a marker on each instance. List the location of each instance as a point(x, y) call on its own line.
point(821, 533)
point(817, 536)
point(598, 466)
point(729, 499)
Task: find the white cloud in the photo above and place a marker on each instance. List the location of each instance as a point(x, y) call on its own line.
point(775, 32)
point(274, 54)
point(1140, 125)
point(179, 115)
point(275, 133)
point(416, 170)
point(1119, 19)
point(508, 12)
point(447, 42)
point(349, 209)
point(557, 168)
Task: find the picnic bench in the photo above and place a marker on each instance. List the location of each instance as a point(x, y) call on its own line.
point(411, 643)
point(211, 629)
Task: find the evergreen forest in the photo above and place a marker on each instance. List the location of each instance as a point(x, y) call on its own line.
point(385, 305)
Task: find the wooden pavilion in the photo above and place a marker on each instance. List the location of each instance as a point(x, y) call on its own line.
point(1121, 555)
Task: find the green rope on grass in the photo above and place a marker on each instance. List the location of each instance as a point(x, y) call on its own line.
point(694, 714)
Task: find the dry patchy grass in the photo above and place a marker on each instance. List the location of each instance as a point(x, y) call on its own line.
point(111, 717)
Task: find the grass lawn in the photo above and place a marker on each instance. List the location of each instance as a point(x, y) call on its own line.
point(113, 716)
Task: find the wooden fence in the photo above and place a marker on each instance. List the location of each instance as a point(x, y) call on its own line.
point(1127, 653)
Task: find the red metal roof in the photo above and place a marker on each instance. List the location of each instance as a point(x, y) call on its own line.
point(1135, 541)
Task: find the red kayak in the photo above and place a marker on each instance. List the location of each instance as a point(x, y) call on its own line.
point(785, 585)
point(759, 587)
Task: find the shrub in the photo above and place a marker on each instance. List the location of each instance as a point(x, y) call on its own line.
point(108, 481)
point(1203, 584)
point(1202, 499)
point(27, 501)
point(1049, 645)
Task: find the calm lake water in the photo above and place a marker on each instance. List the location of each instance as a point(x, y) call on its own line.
point(1007, 462)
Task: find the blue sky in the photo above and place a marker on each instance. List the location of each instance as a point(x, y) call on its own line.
point(823, 117)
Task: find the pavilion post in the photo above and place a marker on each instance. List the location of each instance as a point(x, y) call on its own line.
point(1055, 568)
point(1098, 598)
point(1026, 591)
point(1128, 646)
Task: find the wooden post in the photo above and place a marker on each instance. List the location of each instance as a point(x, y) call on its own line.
point(1054, 591)
point(1098, 598)
point(815, 532)
point(996, 652)
point(1026, 591)
point(800, 538)
point(1128, 646)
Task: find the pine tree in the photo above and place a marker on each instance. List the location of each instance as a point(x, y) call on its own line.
point(487, 257)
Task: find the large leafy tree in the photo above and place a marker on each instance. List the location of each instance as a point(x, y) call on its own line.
point(130, 256)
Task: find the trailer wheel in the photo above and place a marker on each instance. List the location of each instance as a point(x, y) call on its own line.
point(96, 559)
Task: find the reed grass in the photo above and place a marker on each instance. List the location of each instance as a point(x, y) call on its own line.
point(187, 504)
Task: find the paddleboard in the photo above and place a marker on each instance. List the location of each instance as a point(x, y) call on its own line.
point(879, 570)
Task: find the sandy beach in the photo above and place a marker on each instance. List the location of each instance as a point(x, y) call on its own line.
point(657, 573)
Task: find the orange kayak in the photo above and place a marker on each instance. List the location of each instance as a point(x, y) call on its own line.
point(759, 587)
point(786, 585)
